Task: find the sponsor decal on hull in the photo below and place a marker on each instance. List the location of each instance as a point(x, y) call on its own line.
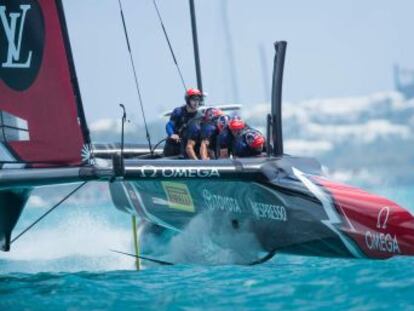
point(382, 241)
point(217, 202)
point(149, 171)
point(178, 196)
point(373, 222)
point(268, 211)
point(383, 216)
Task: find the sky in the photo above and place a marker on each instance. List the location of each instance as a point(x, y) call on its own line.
point(335, 49)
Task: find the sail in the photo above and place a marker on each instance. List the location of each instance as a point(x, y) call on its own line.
point(41, 116)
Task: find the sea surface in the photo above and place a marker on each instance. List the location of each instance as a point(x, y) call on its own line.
point(65, 263)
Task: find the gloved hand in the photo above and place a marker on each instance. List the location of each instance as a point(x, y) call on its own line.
point(175, 137)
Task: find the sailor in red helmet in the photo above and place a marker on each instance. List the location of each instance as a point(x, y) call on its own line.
point(240, 140)
point(251, 143)
point(213, 123)
point(179, 119)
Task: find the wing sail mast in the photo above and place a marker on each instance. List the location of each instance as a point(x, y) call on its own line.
point(195, 45)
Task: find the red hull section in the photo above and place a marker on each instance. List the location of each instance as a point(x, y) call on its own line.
point(45, 101)
point(380, 227)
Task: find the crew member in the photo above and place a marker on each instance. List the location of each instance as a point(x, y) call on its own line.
point(191, 140)
point(240, 140)
point(212, 124)
point(249, 144)
point(178, 121)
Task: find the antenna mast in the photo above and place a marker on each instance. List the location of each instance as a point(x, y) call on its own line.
point(279, 62)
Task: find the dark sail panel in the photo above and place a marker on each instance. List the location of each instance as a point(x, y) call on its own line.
point(41, 116)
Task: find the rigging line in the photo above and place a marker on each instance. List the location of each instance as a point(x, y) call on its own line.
point(49, 211)
point(161, 262)
point(135, 75)
point(159, 143)
point(259, 261)
point(169, 44)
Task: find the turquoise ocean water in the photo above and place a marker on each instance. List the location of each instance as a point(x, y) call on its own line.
point(65, 263)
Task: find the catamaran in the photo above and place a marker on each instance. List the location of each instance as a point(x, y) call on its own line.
point(283, 201)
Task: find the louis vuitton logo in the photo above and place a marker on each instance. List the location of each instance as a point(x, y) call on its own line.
point(22, 41)
point(13, 25)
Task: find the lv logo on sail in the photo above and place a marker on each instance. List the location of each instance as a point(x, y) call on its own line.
point(13, 27)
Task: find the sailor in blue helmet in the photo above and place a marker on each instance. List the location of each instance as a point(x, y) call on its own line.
point(212, 124)
point(240, 140)
point(179, 119)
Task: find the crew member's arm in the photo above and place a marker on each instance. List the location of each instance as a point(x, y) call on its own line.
point(193, 137)
point(205, 143)
point(171, 126)
point(189, 149)
point(205, 135)
point(223, 141)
